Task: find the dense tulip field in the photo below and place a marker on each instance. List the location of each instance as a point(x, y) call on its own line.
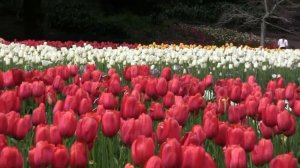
point(156, 106)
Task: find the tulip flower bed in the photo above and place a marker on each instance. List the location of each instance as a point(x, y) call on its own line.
point(83, 105)
point(86, 117)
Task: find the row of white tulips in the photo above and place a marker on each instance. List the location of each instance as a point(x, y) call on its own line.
point(221, 57)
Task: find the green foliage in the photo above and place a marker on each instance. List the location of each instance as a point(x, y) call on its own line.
point(194, 13)
point(74, 17)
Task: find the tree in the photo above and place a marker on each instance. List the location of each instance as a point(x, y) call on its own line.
point(261, 13)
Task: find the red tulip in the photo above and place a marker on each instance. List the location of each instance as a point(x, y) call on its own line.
point(169, 128)
point(262, 152)
point(71, 103)
point(171, 154)
point(130, 72)
point(3, 123)
point(266, 131)
point(283, 120)
point(38, 88)
point(195, 103)
point(292, 128)
point(156, 111)
point(235, 114)
point(8, 78)
point(110, 123)
point(235, 136)
point(67, 124)
point(59, 106)
point(129, 107)
point(211, 126)
point(42, 133)
point(130, 130)
point(85, 106)
point(235, 93)
point(286, 160)
point(150, 89)
point(196, 136)
point(221, 137)
point(73, 70)
point(39, 115)
point(249, 139)
point(209, 161)
point(58, 83)
point(235, 156)
point(10, 99)
point(166, 73)
point(174, 85)
point(169, 99)
point(115, 87)
point(290, 91)
point(142, 149)
point(279, 94)
point(96, 75)
point(25, 90)
point(208, 80)
point(11, 157)
point(192, 156)
point(60, 157)
point(271, 86)
point(269, 116)
point(55, 137)
point(108, 101)
point(146, 125)
point(161, 86)
point(154, 162)
point(41, 155)
point(22, 127)
point(79, 155)
point(179, 112)
point(87, 129)
point(296, 108)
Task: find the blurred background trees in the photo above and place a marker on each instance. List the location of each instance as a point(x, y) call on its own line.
point(138, 21)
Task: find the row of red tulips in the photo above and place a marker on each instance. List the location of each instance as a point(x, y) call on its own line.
point(69, 44)
point(91, 101)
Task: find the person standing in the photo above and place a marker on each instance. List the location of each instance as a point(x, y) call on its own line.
point(283, 43)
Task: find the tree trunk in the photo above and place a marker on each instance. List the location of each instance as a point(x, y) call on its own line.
point(262, 32)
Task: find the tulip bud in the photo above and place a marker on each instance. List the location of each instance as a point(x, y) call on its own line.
point(142, 149)
point(60, 157)
point(171, 153)
point(156, 111)
point(192, 156)
point(79, 155)
point(11, 157)
point(41, 155)
point(161, 86)
point(42, 133)
point(235, 156)
point(286, 160)
point(87, 129)
point(166, 73)
point(110, 123)
point(169, 128)
point(262, 152)
point(67, 124)
point(154, 162)
point(38, 88)
point(39, 115)
point(169, 99)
